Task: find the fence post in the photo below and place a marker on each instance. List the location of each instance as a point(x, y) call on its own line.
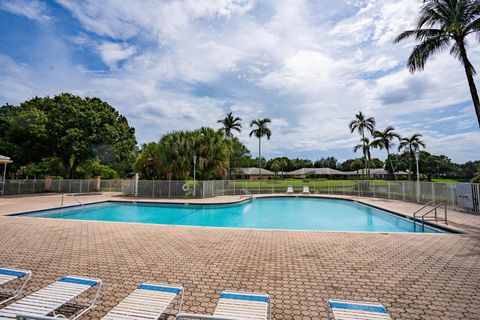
point(388, 184)
point(153, 188)
point(433, 192)
point(403, 190)
point(169, 186)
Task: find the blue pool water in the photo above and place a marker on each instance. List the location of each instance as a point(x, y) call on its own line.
point(268, 213)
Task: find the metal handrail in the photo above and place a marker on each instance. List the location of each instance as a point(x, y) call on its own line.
point(73, 196)
point(247, 193)
point(434, 209)
point(426, 205)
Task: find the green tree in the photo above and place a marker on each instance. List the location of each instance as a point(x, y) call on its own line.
point(23, 135)
point(328, 162)
point(147, 163)
point(356, 165)
point(213, 151)
point(45, 167)
point(362, 125)
point(66, 127)
point(432, 165)
point(411, 145)
point(446, 24)
point(240, 156)
point(260, 130)
point(230, 123)
point(384, 140)
point(175, 153)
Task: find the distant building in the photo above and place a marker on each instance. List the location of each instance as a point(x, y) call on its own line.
point(306, 172)
point(252, 173)
point(376, 173)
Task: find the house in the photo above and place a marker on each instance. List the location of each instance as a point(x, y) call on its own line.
point(252, 173)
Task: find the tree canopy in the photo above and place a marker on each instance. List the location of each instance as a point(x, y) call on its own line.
point(67, 127)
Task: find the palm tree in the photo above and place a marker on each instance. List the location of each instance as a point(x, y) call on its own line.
point(384, 140)
point(261, 130)
point(411, 144)
point(361, 124)
point(365, 146)
point(445, 24)
point(230, 123)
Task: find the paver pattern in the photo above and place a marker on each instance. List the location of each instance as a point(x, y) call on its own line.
point(416, 276)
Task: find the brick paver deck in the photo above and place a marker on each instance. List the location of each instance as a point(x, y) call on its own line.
point(416, 276)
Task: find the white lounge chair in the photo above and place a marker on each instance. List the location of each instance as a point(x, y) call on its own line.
point(44, 303)
point(148, 301)
point(289, 190)
point(8, 275)
point(306, 190)
point(343, 309)
point(237, 305)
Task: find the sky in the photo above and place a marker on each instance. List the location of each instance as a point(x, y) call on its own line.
point(309, 65)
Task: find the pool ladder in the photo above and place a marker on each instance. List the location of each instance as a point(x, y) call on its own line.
point(246, 193)
point(73, 196)
point(434, 210)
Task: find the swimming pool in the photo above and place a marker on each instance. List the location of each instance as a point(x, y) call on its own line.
point(264, 213)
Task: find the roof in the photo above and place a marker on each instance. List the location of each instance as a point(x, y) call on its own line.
point(5, 159)
point(375, 171)
point(253, 171)
point(315, 171)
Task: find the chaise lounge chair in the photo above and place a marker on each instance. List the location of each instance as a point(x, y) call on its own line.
point(306, 190)
point(343, 309)
point(237, 305)
point(148, 301)
point(289, 190)
point(44, 303)
point(10, 275)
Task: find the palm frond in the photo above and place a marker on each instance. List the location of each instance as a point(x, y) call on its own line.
point(424, 50)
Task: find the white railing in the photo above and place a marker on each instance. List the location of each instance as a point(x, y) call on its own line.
point(462, 196)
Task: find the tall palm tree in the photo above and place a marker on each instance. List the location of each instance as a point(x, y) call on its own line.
point(384, 140)
point(230, 123)
point(362, 124)
point(365, 146)
point(446, 24)
point(261, 130)
point(411, 144)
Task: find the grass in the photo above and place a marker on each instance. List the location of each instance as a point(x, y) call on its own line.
point(445, 180)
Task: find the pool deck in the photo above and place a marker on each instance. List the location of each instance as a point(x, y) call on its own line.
point(416, 276)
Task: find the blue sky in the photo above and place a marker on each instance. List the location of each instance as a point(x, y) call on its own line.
point(308, 65)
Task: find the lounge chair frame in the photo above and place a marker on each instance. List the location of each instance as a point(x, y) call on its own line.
point(31, 316)
point(13, 272)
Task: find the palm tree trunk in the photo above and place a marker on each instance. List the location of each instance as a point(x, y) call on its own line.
point(471, 83)
point(259, 157)
point(391, 164)
point(365, 170)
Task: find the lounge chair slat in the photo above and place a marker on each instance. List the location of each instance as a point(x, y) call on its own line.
point(347, 310)
point(243, 305)
point(148, 301)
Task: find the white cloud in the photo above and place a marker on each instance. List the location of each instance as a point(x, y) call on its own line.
point(31, 9)
point(308, 65)
point(112, 53)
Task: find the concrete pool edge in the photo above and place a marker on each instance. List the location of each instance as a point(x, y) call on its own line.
point(442, 229)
